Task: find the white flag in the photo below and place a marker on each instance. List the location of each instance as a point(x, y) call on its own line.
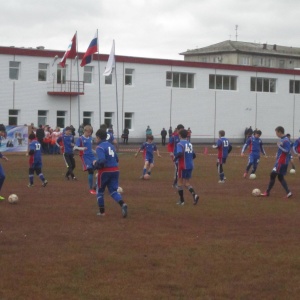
point(111, 61)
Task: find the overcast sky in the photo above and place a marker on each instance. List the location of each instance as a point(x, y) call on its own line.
point(147, 28)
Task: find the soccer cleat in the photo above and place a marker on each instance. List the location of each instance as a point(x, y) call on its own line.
point(265, 194)
point(74, 178)
point(44, 183)
point(92, 191)
point(289, 195)
point(142, 177)
point(196, 198)
point(124, 210)
point(245, 175)
point(221, 181)
point(100, 214)
point(30, 185)
point(67, 177)
point(2, 198)
point(180, 203)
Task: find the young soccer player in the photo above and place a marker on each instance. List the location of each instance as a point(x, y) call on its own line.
point(296, 147)
point(172, 149)
point(2, 174)
point(35, 160)
point(185, 156)
point(85, 145)
point(255, 145)
point(291, 156)
point(281, 164)
point(148, 148)
point(108, 173)
point(224, 149)
point(68, 143)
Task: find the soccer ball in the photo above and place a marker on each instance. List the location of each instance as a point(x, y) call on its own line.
point(13, 199)
point(252, 176)
point(146, 176)
point(120, 190)
point(292, 171)
point(256, 192)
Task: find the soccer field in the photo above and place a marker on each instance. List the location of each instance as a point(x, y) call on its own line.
point(230, 246)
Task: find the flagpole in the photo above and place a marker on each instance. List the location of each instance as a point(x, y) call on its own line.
point(99, 93)
point(78, 88)
point(117, 102)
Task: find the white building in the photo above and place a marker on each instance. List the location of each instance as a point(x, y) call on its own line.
point(160, 93)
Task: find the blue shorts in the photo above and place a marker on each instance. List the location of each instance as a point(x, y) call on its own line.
point(149, 159)
point(87, 162)
point(221, 160)
point(280, 169)
point(185, 173)
point(253, 159)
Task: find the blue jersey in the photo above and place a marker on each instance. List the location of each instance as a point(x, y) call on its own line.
point(107, 155)
point(296, 146)
point(35, 159)
point(255, 145)
point(283, 152)
point(185, 154)
point(223, 147)
point(110, 137)
point(86, 142)
point(173, 141)
point(68, 143)
point(148, 149)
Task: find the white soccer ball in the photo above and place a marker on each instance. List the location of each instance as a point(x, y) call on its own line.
point(147, 176)
point(13, 199)
point(252, 176)
point(292, 171)
point(120, 190)
point(256, 192)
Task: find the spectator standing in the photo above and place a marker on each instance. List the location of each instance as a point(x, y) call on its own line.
point(125, 136)
point(163, 134)
point(189, 133)
point(148, 131)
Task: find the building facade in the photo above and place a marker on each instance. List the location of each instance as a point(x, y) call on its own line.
point(160, 93)
point(247, 54)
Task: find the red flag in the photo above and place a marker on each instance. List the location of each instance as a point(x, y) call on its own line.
point(70, 53)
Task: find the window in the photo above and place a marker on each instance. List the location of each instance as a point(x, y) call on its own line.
point(61, 75)
point(223, 82)
point(87, 75)
point(42, 75)
point(87, 117)
point(60, 118)
point(265, 85)
point(129, 76)
point(42, 117)
point(108, 79)
point(13, 117)
point(108, 118)
point(281, 64)
point(295, 86)
point(180, 80)
point(245, 60)
point(14, 69)
point(128, 120)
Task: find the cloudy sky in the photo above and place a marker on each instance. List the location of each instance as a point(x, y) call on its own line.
point(147, 28)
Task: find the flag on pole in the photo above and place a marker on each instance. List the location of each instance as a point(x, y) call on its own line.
point(70, 53)
point(93, 48)
point(111, 61)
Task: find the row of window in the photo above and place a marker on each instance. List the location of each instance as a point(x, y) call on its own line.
point(173, 79)
point(61, 118)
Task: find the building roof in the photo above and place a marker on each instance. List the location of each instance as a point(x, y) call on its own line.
point(245, 47)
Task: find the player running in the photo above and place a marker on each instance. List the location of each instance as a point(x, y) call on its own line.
point(185, 156)
point(85, 145)
point(35, 160)
point(255, 145)
point(108, 173)
point(148, 148)
point(224, 149)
